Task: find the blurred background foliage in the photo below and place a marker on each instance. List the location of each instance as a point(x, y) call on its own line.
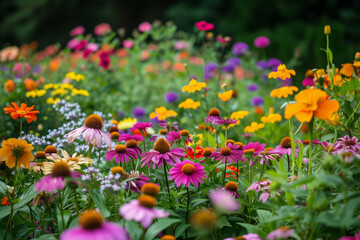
point(294, 27)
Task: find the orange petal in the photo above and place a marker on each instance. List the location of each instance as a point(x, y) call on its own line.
point(304, 116)
point(326, 109)
point(292, 109)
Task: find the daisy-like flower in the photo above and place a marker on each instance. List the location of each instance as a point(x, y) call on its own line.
point(142, 210)
point(265, 156)
point(121, 153)
point(162, 134)
point(127, 123)
point(167, 125)
point(187, 172)
point(224, 200)
point(189, 104)
point(225, 96)
point(13, 148)
point(257, 186)
point(78, 159)
point(194, 86)
point(271, 118)
point(285, 147)
point(204, 219)
point(141, 126)
point(23, 111)
point(175, 136)
point(349, 143)
point(93, 226)
point(283, 92)
point(228, 153)
point(213, 116)
point(92, 132)
point(225, 121)
point(138, 180)
point(162, 113)
point(133, 144)
point(281, 73)
point(253, 150)
point(56, 172)
point(239, 115)
point(253, 127)
point(127, 137)
point(280, 233)
point(161, 152)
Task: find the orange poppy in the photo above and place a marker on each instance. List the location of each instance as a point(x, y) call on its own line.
point(311, 102)
point(23, 111)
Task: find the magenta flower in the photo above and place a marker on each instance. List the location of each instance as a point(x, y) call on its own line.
point(93, 47)
point(104, 62)
point(128, 43)
point(138, 181)
point(102, 29)
point(280, 233)
point(222, 121)
point(167, 125)
point(229, 153)
point(261, 42)
point(187, 172)
point(50, 183)
point(175, 136)
point(81, 45)
point(285, 148)
point(257, 186)
point(21, 69)
point(144, 27)
point(141, 126)
point(79, 30)
point(133, 144)
point(308, 82)
point(249, 236)
point(92, 132)
point(223, 39)
point(126, 137)
point(72, 43)
point(142, 210)
point(121, 153)
point(92, 226)
point(265, 156)
point(224, 200)
point(160, 153)
point(204, 26)
point(254, 149)
point(357, 237)
point(349, 143)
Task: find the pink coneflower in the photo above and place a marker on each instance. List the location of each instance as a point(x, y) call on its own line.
point(187, 172)
point(137, 181)
point(133, 144)
point(141, 126)
point(176, 136)
point(122, 153)
point(224, 200)
point(142, 210)
point(128, 43)
point(257, 186)
point(253, 149)
point(160, 153)
point(92, 132)
point(204, 26)
point(79, 30)
point(162, 134)
point(213, 116)
point(285, 147)
point(144, 27)
point(126, 137)
point(225, 122)
point(280, 233)
point(349, 143)
point(102, 29)
point(265, 155)
point(247, 135)
point(249, 236)
point(167, 125)
point(357, 237)
point(93, 226)
point(228, 153)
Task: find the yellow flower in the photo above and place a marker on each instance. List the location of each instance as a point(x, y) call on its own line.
point(226, 95)
point(283, 91)
point(126, 123)
point(194, 86)
point(83, 92)
point(239, 114)
point(334, 119)
point(12, 148)
point(75, 76)
point(51, 85)
point(254, 127)
point(162, 113)
point(67, 86)
point(327, 29)
point(271, 118)
point(281, 73)
point(189, 103)
point(36, 93)
point(59, 91)
point(52, 100)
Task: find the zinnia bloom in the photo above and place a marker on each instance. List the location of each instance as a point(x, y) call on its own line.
point(281, 73)
point(283, 91)
point(253, 127)
point(142, 210)
point(9, 86)
point(144, 27)
point(228, 153)
point(122, 153)
point(194, 86)
point(204, 26)
point(93, 226)
point(189, 103)
point(160, 153)
point(261, 42)
point(20, 112)
point(162, 113)
point(271, 118)
point(187, 172)
point(102, 29)
point(12, 148)
point(311, 102)
point(225, 96)
point(92, 132)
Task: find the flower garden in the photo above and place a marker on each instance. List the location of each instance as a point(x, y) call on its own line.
point(172, 135)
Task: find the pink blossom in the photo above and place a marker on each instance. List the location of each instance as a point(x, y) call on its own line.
point(204, 26)
point(144, 27)
point(128, 43)
point(79, 30)
point(72, 43)
point(261, 42)
point(102, 29)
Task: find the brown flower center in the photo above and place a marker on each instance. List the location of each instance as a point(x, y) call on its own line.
point(239, 144)
point(229, 141)
point(306, 142)
point(18, 151)
point(162, 146)
point(150, 189)
point(168, 237)
point(120, 148)
point(50, 149)
point(61, 169)
point(286, 142)
point(232, 186)
point(113, 129)
point(132, 143)
point(204, 218)
point(40, 155)
point(118, 170)
point(94, 121)
point(91, 219)
point(214, 112)
point(147, 201)
point(284, 228)
point(225, 151)
point(184, 133)
point(240, 238)
point(188, 169)
point(163, 132)
point(207, 151)
point(114, 135)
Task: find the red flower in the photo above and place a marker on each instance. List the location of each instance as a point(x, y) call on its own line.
point(5, 201)
point(199, 152)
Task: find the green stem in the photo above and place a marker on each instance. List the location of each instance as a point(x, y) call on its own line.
point(76, 202)
point(9, 220)
point(224, 171)
point(15, 172)
point(90, 149)
point(144, 146)
point(167, 182)
point(187, 210)
point(262, 171)
point(311, 126)
point(21, 126)
point(61, 210)
point(291, 123)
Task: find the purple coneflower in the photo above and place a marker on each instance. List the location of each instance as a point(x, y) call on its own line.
point(285, 147)
point(141, 126)
point(162, 134)
point(142, 210)
point(93, 226)
point(176, 136)
point(121, 153)
point(349, 143)
point(126, 137)
point(92, 132)
point(228, 153)
point(138, 181)
point(249, 236)
point(187, 172)
point(213, 116)
point(160, 153)
point(254, 149)
point(280, 233)
point(133, 144)
point(167, 125)
point(224, 200)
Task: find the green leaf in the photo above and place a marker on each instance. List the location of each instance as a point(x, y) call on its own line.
point(180, 229)
point(99, 200)
point(223, 222)
point(327, 137)
point(134, 230)
point(46, 237)
point(264, 215)
point(3, 188)
point(159, 226)
point(253, 229)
